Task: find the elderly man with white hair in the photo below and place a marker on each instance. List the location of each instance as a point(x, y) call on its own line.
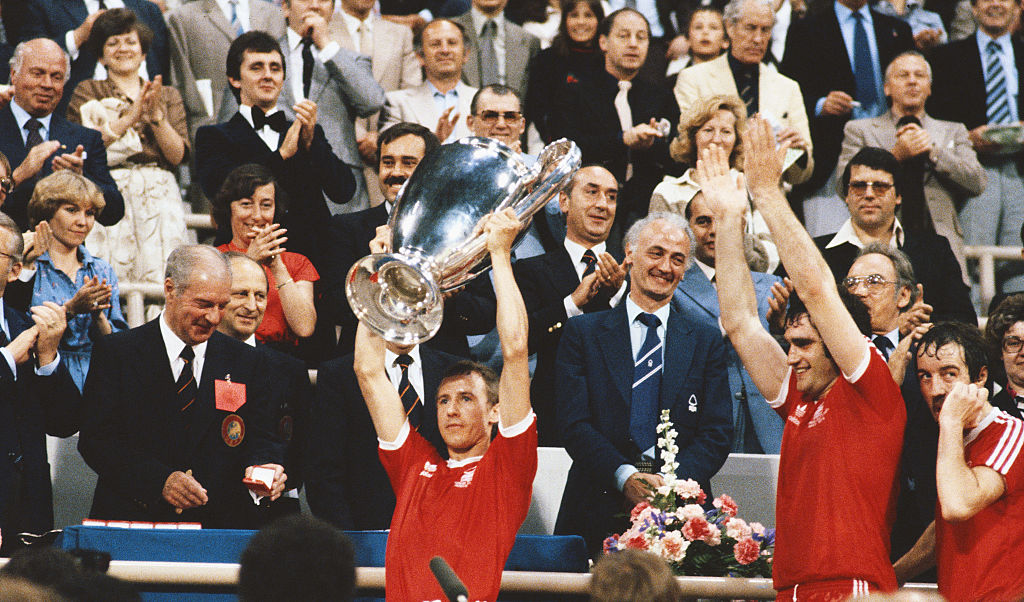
point(762, 88)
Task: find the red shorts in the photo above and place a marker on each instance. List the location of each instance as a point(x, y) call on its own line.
point(827, 591)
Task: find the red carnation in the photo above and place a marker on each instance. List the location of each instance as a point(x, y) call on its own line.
point(726, 504)
point(746, 550)
point(571, 79)
point(696, 528)
point(637, 542)
point(638, 509)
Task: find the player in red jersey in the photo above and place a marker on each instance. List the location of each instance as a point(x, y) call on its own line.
point(844, 414)
point(466, 509)
point(979, 524)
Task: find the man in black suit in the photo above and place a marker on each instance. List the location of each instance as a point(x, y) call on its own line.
point(966, 89)
point(291, 388)
point(296, 152)
point(617, 369)
point(37, 397)
point(31, 133)
point(581, 276)
point(871, 186)
point(399, 150)
point(69, 23)
point(818, 56)
point(175, 413)
point(345, 482)
point(613, 118)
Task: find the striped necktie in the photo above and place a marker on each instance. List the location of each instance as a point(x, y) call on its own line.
point(410, 398)
point(997, 101)
point(186, 383)
point(590, 259)
point(643, 412)
point(236, 23)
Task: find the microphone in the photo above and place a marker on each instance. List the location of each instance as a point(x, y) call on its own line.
point(450, 583)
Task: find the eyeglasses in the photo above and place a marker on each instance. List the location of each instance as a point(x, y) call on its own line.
point(491, 117)
point(1012, 344)
point(6, 184)
point(7, 255)
point(873, 282)
point(860, 187)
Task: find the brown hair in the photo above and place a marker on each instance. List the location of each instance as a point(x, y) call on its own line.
point(684, 147)
point(61, 188)
point(633, 576)
point(468, 367)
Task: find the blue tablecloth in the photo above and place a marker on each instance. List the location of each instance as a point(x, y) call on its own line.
point(530, 553)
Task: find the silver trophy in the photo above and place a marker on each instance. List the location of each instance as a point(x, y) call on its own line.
point(437, 240)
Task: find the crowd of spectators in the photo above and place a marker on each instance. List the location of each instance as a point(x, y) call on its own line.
point(868, 144)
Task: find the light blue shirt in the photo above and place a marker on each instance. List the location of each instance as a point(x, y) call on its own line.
point(442, 100)
point(915, 16)
point(847, 22)
point(647, 8)
point(637, 334)
point(21, 117)
point(1009, 63)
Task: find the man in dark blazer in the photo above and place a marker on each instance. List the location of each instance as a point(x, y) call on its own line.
point(176, 414)
point(69, 22)
point(38, 74)
point(37, 398)
point(581, 276)
point(757, 429)
point(638, 154)
point(399, 150)
point(295, 151)
point(608, 425)
point(817, 57)
point(959, 94)
point(873, 219)
point(345, 482)
point(290, 385)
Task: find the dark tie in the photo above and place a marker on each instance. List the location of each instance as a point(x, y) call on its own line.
point(410, 398)
point(4, 341)
point(307, 66)
point(747, 90)
point(488, 55)
point(884, 345)
point(863, 66)
point(914, 209)
point(34, 137)
point(103, 5)
point(277, 121)
point(643, 412)
point(590, 259)
point(997, 102)
point(186, 383)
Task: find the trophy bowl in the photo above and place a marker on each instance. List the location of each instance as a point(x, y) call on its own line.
point(437, 241)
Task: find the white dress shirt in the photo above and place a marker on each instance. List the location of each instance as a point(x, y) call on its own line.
point(269, 137)
point(241, 11)
point(173, 346)
point(847, 234)
point(415, 370)
point(21, 117)
point(295, 60)
point(576, 252)
point(479, 19)
point(1009, 63)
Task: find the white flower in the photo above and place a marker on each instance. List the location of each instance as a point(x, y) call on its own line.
point(689, 511)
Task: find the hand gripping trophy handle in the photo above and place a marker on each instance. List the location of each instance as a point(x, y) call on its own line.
point(436, 239)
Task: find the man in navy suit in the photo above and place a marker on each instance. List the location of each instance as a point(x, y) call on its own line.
point(69, 23)
point(581, 276)
point(618, 369)
point(296, 152)
point(37, 397)
point(825, 56)
point(176, 414)
point(756, 428)
point(37, 141)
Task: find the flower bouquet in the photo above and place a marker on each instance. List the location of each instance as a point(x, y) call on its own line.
point(694, 541)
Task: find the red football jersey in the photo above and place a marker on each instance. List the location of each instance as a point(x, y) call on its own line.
point(838, 479)
point(982, 558)
point(466, 512)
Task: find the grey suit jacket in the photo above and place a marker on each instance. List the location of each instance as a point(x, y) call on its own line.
point(955, 176)
point(416, 105)
point(200, 37)
point(520, 47)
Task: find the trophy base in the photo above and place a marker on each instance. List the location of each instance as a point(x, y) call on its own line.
point(395, 297)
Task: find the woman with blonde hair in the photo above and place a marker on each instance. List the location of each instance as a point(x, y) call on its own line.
point(719, 120)
point(63, 211)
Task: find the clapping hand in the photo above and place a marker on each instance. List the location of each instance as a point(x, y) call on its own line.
point(267, 243)
point(93, 296)
point(37, 242)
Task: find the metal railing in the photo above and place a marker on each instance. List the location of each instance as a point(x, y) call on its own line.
point(986, 256)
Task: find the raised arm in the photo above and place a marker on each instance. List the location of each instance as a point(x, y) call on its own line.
point(963, 490)
point(811, 276)
point(513, 328)
point(761, 355)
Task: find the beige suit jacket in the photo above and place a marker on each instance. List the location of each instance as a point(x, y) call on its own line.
point(416, 105)
point(955, 176)
point(778, 96)
point(200, 37)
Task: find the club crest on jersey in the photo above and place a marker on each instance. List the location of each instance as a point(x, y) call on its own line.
point(428, 470)
point(467, 478)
